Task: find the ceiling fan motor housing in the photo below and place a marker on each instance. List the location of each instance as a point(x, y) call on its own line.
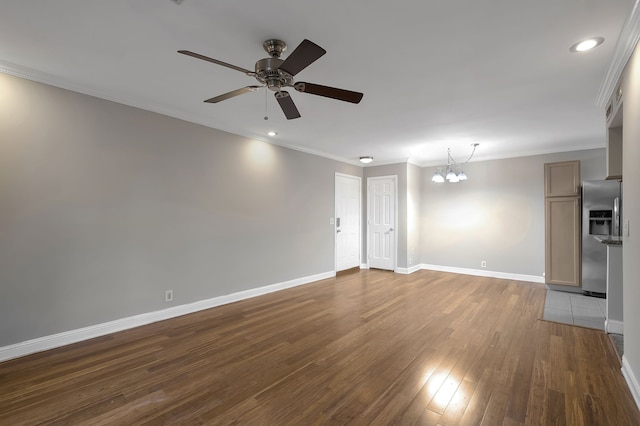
point(269, 74)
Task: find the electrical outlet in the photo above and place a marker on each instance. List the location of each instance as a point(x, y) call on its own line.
point(168, 296)
point(484, 264)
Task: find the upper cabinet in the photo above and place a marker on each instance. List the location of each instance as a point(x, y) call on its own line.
point(562, 179)
point(614, 152)
point(614, 134)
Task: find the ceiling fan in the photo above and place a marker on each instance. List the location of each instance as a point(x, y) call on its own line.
point(276, 74)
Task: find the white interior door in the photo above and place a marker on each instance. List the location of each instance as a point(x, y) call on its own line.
point(381, 220)
point(347, 221)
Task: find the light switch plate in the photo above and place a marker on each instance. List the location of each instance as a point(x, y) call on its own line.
point(625, 230)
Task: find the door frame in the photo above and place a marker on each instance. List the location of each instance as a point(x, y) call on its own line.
point(394, 178)
point(335, 211)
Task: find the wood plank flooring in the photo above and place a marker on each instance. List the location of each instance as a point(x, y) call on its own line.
point(364, 348)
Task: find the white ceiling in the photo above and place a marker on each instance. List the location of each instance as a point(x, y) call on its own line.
point(435, 74)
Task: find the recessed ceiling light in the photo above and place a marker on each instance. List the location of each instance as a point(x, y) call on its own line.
point(588, 44)
point(366, 160)
point(272, 133)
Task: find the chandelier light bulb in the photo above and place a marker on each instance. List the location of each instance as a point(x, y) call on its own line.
point(453, 172)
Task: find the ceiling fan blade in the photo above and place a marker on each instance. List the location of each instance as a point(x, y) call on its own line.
point(215, 61)
point(304, 55)
point(287, 105)
point(232, 94)
point(329, 92)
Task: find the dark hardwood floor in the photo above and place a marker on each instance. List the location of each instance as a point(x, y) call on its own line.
point(369, 347)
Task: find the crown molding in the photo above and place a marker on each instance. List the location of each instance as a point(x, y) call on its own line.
point(529, 153)
point(50, 80)
point(313, 152)
point(627, 40)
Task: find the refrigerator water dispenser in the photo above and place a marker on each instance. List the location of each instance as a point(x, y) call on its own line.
point(600, 222)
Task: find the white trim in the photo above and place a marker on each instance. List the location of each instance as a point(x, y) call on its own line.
point(484, 273)
point(411, 270)
point(73, 336)
point(364, 266)
point(627, 40)
point(632, 382)
point(613, 326)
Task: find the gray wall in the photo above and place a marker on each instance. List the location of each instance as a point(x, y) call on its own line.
point(631, 212)
point(497, 215)
point(414, 204)
point(103, 207)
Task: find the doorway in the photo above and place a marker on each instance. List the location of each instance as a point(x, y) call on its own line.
point(347, 221)
point(381, 222)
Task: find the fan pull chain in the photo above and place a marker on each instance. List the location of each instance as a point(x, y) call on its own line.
point(266, 115)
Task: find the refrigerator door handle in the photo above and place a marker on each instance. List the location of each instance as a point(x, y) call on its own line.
point(616, 216)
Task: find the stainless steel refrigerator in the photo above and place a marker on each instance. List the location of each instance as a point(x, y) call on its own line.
point(601, 207)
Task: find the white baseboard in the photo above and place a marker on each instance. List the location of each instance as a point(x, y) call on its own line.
point(613, 326)
point(410, 270)
point(73, 336)
point(364, 266)
point(631, 379)
point(484, 273)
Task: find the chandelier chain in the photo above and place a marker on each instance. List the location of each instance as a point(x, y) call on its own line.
point(467, 160)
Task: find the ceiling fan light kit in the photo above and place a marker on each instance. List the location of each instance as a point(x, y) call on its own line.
point(275, 74)
point(453, 171)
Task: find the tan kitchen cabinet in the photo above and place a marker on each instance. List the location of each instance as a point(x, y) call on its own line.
point(562, 179)
point(563, 261)
point(562, 241)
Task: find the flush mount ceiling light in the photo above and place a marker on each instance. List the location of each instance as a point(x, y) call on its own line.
point(453, 171)
point(272, 133)
point(588, 44)
point(366, 160)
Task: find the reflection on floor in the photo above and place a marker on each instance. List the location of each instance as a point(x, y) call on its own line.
point(575, 309)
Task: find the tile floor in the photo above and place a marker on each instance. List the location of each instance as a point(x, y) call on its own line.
point(576, 309)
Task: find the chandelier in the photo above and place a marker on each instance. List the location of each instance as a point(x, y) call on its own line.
point(453, 171)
